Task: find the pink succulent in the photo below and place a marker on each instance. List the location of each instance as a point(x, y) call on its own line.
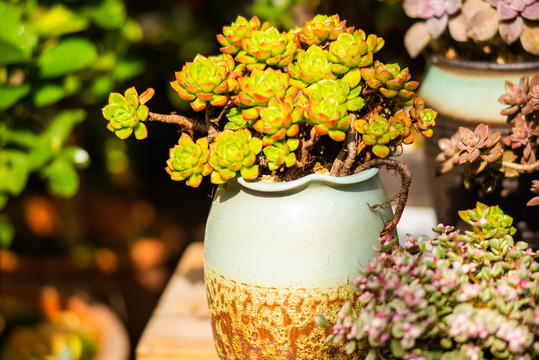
point(435, 12)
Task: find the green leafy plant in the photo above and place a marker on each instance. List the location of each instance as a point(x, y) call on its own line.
point(55, 60)
point(501, 30)
point(489, 156)
point(470, 295)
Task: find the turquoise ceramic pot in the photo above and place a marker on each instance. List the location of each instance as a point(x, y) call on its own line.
point(278, 254)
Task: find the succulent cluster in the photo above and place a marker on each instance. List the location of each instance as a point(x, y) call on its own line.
point(470, 295)
point(490, 154)
point(277, 101)
point(481, 22)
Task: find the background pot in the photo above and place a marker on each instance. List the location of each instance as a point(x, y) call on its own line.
point(278, 254)
point(465, 93)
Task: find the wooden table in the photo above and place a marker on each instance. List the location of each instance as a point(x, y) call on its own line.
point(180, 327)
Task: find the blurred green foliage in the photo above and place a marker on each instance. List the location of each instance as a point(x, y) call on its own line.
point(56, 57)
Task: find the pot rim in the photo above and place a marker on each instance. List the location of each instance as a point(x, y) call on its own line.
point(441, 60)
point(270, 186)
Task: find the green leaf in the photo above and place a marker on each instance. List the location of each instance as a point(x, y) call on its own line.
point(6, 232)
point(58, 20)
point(9, 95)
point(68, 56)
point(14, 171)
point(47, 93)
point(62, 178)
point(16, 40)
point(61, 126)
point(108, 14)
point(396, 348)
point(127, 68)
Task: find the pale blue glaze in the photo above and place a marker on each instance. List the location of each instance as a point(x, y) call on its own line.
point(311, 232)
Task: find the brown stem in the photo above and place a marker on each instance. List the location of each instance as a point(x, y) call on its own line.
point(183, 121)
point(211, 123)
point(351, 146)
point(521, 167)
point(406, 179)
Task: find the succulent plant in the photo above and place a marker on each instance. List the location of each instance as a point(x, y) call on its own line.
point(311, 66)
point(125, 113)
point(328, 117)
point(278, 120)
point(205, 80)
point(259, 87)
point(283, 92)
point(473, 143)
point(480, 24)
point(353, 50)
point(234, 151)
point(338, 90)
point(377, 132)
point(491, 154)
point(268, 47)
point(281, 153)
point(390, 81)
point(189, 160)
point(455, 296)
point(512, 15)
point(322, 28)
point(233, 35)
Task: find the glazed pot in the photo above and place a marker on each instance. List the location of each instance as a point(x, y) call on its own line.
point(465, 93)
point(278, 254)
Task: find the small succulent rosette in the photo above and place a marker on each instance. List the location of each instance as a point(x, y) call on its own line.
point(189, 160)
point(125, 113)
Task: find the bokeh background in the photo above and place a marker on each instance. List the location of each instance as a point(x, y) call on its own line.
point(81, 211)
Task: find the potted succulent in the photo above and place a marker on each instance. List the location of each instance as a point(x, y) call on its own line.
point(470, 295)
point(502, 168)
point(472, 47)
point(293, 128)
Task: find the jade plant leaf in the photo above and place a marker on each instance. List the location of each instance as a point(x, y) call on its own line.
point(68, 56)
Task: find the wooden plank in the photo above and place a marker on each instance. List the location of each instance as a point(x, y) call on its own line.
point(180, 325)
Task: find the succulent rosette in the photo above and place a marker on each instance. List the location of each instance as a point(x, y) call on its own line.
point(328, 117)
point(322, 28)
point(379, 133)
point(353, 50)
point(310, 66)
point(125, 113)
point(189, 160)
point(281, 153)
point(278, 120)
point(268, 47)
point(403, 124)
point(257, 89)
point(205, 80)
point(236, 120)
point(234, 151)
point(339, 90)
point(390, 81)
point(490, 221)
point(425, 117)
point(233, 35)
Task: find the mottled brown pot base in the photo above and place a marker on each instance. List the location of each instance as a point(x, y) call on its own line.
point(254, 322)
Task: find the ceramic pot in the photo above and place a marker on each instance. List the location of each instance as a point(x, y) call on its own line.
point(465, 93)
point(278, 254)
